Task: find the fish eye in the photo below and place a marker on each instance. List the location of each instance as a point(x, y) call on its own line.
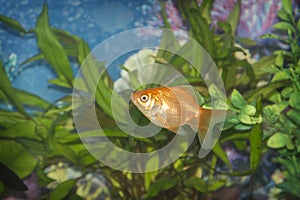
point(144, 98)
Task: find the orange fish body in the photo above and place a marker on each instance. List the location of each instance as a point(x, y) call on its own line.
point(173, 107)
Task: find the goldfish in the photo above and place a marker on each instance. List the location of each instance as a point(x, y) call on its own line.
point(173, 107)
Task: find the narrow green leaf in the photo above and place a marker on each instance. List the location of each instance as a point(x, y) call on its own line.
point(28, 99)
point(149, 177)
point(168, 41)
point(219, 151)
point(8, 118)
point(234, 17)
point(12, 24)
point(60, 83)
point(255, 137)
point(255, 146)
point(25, 129)
point(39, 56)
point(201, 31)
point(51, 48)
point(273, 36)
point(266, 90)
point(62, 190)
point(196, 183)
point(160, 185)
point(246, 41)
point(164, 16)
point(263, 65)
point(9, 92)
point(215, 185)
point(206, 7)
point(290, 187)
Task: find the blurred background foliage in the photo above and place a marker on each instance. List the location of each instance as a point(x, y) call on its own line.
point(42, 145)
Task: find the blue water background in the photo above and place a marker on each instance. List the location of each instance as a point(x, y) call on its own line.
point(93, 20)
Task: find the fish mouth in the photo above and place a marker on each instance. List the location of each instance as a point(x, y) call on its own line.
point(131, 97)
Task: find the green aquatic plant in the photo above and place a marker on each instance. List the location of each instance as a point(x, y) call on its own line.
point(32, 143)
point(282, 114)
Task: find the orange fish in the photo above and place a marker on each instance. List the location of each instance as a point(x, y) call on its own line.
point(172, 107)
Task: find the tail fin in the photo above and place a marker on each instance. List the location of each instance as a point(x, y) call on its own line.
point(208, 132)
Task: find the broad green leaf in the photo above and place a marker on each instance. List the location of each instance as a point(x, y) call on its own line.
point(283, 105)
point(160, 185)
point(287, 7)
point(284, 26)
point(286, 92)
point(237, 99)
point(283, 15)
point(294, 116)
point(10, 93)
point(271, 113)
point(294, 100)
point(52, 49)
point(17, 158)
point(278, 140)
point(281, 76)
point(249, 110)
point(279, 60)
point(12, 24)
point(62, 190)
